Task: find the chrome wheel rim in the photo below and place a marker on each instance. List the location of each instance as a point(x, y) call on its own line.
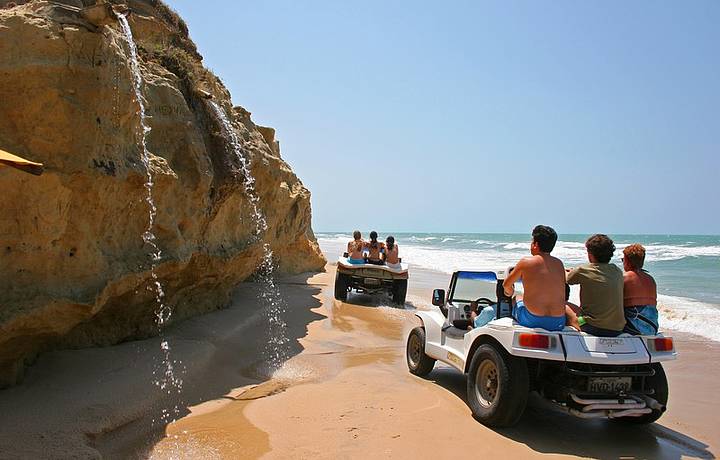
point(487, 383)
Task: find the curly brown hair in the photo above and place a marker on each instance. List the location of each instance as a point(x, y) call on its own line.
point(635, 255)
point(601, 247)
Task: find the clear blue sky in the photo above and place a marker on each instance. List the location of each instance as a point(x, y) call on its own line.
point(475, 116)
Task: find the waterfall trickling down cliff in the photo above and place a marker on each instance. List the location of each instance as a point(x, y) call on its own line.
point(277, 341)
point(168, 381)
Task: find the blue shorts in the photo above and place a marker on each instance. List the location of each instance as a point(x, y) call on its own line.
point(641, 320)
point(355, 261)
point(527, 319)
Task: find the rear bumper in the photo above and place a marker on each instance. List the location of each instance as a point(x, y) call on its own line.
point(376, 272)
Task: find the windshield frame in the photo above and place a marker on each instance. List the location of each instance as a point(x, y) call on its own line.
point(488, 276)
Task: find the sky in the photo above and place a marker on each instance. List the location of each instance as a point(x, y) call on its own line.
point(483, 116)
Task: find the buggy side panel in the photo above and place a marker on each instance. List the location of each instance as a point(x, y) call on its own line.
point(433, 321)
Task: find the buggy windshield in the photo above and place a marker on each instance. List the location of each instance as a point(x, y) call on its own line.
point(472, 285)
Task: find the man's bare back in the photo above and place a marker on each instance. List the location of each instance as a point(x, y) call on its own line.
point(543, 278)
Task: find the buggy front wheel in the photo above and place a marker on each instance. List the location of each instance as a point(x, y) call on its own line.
point(418, 362)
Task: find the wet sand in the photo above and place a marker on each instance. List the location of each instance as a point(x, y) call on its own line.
point(103, 402)
point(348, 394)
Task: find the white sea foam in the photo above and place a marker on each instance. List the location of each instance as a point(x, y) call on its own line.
point(422, 238)
point(689, 315)
point(447, 261)
point(427, 252)
point(663, 252)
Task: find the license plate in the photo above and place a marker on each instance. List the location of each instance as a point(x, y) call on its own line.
point(609, 384)
point(371, 282)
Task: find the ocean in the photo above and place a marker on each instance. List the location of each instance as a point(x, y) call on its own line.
point(686, 267)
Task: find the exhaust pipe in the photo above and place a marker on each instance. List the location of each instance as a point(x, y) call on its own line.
point(629, 413)
point(609, 413)
point(626, 406)
point(652, 403)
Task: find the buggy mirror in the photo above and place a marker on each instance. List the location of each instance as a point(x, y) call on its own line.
point(438, 297)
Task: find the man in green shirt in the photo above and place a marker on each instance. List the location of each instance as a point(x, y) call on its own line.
point(601, 290)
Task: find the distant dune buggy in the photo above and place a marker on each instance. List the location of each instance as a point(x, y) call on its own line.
point(620, 378)
point(371, 279)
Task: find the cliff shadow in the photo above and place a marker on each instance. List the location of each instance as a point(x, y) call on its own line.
point(546, 429)
point(106, 401)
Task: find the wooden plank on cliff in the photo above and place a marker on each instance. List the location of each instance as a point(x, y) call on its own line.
point(8, 159)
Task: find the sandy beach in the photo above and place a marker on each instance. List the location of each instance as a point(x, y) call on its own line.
point(349, 394)
point(167, 285)
point(344, 392)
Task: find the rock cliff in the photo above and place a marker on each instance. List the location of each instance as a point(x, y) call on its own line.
point(75, 270)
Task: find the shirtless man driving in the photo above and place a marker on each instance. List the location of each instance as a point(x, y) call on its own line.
point(543, 277)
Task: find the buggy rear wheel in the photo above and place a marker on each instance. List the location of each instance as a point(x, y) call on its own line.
point(418, 362)
point(497, 386)
point(341, 286)
point(399, 291)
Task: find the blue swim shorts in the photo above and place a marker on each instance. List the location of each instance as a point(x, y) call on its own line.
point(527, 319)
point(355, 261)
point(641, 320)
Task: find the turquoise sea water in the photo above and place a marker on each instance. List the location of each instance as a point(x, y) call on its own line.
point(686, 267)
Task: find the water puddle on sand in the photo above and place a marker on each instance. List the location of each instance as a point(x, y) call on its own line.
point(166, 378)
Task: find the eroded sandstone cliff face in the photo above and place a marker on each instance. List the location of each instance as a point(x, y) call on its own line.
point(74, 268)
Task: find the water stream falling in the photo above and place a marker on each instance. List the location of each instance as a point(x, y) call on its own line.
point(270, 294)
point(168, 380)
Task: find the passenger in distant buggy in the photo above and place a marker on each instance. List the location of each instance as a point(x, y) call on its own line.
point(375, 250)
point(355, 249)
point(639, 293)
point(392, 252)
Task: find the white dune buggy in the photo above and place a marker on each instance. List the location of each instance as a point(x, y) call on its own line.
point(619, 378)
point(371, 279)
